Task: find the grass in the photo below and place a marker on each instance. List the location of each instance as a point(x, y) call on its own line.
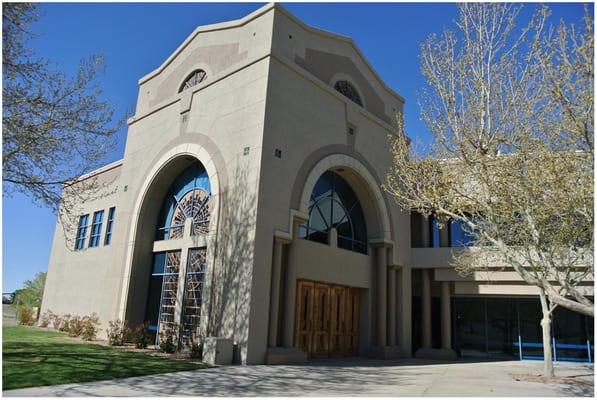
point(40, 357)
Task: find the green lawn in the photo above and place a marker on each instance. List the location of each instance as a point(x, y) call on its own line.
point(39, 357)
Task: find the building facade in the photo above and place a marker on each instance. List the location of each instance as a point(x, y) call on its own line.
point(248, 205)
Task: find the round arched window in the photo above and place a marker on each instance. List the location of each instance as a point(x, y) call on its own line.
point(195, 78)
point(348, 90)
point(188, 197)
point(334, 205)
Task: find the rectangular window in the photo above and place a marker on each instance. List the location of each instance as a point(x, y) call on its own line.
point(81, 232)
point(459, 235)
point(96, 228)
point(434, 234)
point(109, 227)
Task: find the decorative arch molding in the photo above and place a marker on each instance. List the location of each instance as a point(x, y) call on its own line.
point(164, 161)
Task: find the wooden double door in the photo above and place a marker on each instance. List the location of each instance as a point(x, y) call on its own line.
point(327, 319)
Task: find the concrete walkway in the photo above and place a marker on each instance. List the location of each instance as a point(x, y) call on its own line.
point(346, 377)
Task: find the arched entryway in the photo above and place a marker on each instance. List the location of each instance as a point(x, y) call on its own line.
point(171, 252)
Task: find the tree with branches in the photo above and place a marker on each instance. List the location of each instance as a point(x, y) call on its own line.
point(510, 110)
point(55, 127)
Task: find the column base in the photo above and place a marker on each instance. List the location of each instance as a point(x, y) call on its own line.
point(285, 355)
point(385, 352)
point(436, 354)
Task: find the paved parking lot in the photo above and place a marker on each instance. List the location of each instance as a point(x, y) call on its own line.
point(346, 377)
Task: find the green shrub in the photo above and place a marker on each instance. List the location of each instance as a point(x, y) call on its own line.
point(196, 351)
point(90, 325)
point(25, 316)
point(55, 319)
point(64, 323)
point(141, 335)
point(168, 339)
point(118, 333)
point(75, 326)
point(44, 319)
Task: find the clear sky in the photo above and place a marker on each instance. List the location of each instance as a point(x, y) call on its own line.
point(137, 38)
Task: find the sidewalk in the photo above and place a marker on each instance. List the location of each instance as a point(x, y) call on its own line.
point(344, 377)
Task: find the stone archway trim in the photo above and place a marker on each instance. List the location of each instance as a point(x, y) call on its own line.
point(183, 149)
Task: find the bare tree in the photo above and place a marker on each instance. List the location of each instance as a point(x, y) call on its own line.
point(511, 112)
point(55, 128)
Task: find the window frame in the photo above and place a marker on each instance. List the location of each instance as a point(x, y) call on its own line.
point(96, 228)
point(109, 226)
point(81, 232)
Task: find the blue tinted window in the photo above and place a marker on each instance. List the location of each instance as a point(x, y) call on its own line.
point(159, 261)
point(459, 235)
point(335, 205)
point(109, 226)
point(81, 232)
point(434, 232)
point(96, 228)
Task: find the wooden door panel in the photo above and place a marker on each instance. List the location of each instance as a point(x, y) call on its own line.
point(321, 319)
point(304, 317)
point(337, 320)
point(327, 319)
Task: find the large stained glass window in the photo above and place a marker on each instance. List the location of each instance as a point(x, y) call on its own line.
point(163, 287)
point(188, 197)
point(335, 205)
point(191, 312)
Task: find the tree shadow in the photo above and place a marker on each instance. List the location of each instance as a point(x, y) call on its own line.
point(229, 303)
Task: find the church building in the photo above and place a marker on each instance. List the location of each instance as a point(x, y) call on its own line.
point(249, 206)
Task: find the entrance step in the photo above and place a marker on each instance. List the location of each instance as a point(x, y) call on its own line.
point(436, 354)
point(285, 355)
point(385, 353)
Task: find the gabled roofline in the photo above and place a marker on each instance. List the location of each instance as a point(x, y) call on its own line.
point(256, 14)
point(208, 28)
point(342, 38)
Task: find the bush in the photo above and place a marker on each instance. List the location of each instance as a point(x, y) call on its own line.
point(25, 316)
point(141, 335)
point(44, 319)
point(75, 326)
point(64, 323)
point(55, 319)
point(196, 351)
point(90, 326)
point(168, 339)
point(118, 333)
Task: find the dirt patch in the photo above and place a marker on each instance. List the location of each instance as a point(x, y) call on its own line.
point(558, 380)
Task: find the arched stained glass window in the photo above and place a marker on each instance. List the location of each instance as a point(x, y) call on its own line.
point(335, 205)
point(195, 78)
point(349, 91)
point(188, 197)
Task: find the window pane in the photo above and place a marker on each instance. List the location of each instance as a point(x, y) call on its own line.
point(502, 328)
point(470, 339)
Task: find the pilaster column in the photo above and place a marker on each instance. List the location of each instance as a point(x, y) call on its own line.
point(426, 308)
point(392, 306)
point(446, 319)
point(382, 269)
point(274, 302)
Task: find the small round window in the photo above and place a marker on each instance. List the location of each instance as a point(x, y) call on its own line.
point(194, 79)
point(349, 91)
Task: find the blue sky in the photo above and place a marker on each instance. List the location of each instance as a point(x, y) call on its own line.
point(137, 38)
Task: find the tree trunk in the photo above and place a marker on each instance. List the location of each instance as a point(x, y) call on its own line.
point(546, 329)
